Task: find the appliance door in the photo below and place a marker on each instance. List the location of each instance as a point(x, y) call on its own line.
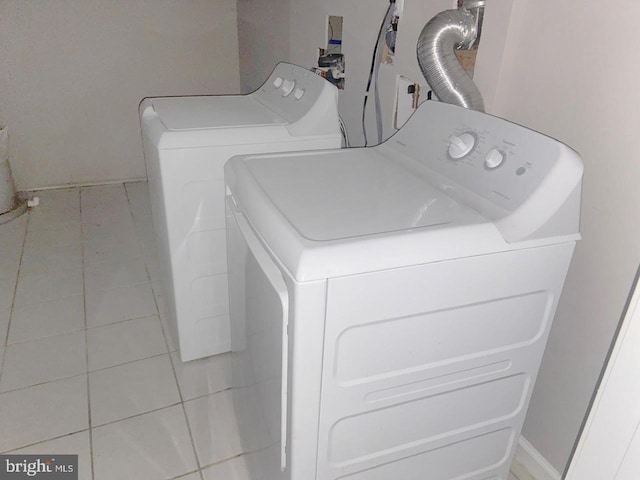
point(259, 306)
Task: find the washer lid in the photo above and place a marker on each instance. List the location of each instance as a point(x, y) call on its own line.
point(332, 213)
point(351, 194)
point(342, 212)
point(202, 113)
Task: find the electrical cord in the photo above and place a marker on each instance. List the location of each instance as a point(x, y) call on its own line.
point(345, 135)
point(374, 59)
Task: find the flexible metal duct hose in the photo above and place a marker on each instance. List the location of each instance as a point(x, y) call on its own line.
point(438, 40)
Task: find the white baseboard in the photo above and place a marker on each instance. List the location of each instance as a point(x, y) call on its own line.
point(534, 462)
point(83, 184)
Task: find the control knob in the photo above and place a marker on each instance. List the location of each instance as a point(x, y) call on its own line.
point(461, 145)
point(494, 158)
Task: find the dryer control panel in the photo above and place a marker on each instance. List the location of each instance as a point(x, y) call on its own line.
point(499, 168)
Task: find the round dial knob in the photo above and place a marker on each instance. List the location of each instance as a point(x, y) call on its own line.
point(287, 87)
point(494, 158)
point(460, 145)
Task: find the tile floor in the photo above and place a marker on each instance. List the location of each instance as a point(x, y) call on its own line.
point(86, 365)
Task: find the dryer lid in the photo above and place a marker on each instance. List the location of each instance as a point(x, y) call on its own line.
point(203, 113)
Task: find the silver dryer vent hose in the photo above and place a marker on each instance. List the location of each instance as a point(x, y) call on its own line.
point(447, 31)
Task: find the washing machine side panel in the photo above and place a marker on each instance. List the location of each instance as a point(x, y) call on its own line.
point(193, 190)
point(160, 227)
point(191, 184)
point(430, 368)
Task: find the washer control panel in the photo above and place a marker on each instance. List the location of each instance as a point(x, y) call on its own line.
point(528, 184)
point(291, 91)
point(495, 159)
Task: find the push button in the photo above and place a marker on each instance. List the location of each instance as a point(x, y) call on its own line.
point(298, 94)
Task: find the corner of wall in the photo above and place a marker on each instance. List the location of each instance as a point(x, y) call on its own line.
point(494, 47)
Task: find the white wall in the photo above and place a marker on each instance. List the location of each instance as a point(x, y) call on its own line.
point(74, 71)
point(362, 20)
point(568, 69)
point(263, 39)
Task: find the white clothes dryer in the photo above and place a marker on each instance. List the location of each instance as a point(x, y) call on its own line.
point(187, 141)
point(390, 305)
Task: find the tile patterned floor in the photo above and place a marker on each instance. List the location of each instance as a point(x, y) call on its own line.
point(518, 472)
point(86, 365)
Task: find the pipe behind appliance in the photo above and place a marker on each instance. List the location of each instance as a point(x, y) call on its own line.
point(440, 37)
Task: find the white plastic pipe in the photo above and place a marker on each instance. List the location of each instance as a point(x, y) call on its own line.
point(7, 187)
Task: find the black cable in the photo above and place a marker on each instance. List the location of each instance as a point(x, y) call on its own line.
point(373, 65)
point(345, 135)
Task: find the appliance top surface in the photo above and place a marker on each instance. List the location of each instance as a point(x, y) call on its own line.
point(210, 112)
point(355, 193)
point(409, 200)
point(289, 95)
point(343, 212)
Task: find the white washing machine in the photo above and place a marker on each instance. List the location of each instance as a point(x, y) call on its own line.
point(187, 141)
point(390, 306)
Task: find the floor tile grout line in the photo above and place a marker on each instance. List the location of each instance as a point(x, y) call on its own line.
point(136, 415)
point(46, 337)
point(210, 394)
point(130, 362)
point(140, 242)
point(50, 299)
point(184, 413)
point(118, 322)
point(228, 459)
point(96, 327)
point(44, 382)
point(77, 267)
point(185, 475)
point(109, 368)
point(111, 422)
point(86, 338)
point(182, 401)
point(5, 340)
point(116, 287)
point(102, 262)
point(39, 442)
